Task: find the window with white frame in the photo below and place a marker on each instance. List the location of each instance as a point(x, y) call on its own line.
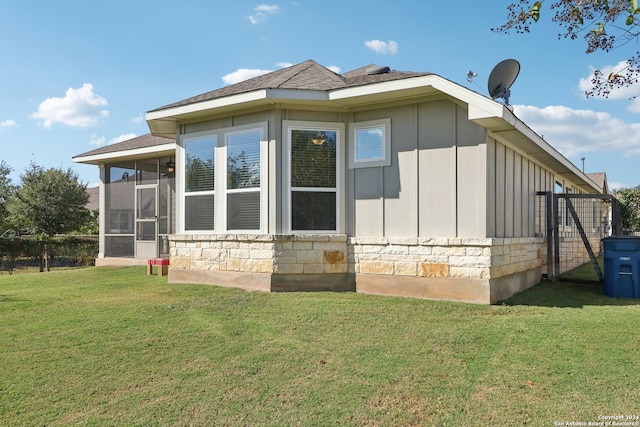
point(244, 170)
point(314, 178)
point(371, 145)
point(199, 183)
point(223, 179)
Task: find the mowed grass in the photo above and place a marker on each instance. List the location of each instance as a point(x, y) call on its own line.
point(113, 346)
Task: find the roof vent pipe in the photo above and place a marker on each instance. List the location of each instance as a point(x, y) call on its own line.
point(377, 70)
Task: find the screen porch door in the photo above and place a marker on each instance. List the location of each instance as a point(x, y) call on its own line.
point(147, 221)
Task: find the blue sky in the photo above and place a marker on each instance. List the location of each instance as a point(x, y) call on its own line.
point(77, 75)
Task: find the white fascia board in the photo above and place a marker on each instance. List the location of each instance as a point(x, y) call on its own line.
point(413, 85)
point(243, 99)
point(207, 105)
point(480, 107)
point(134, 153)
point(381, 88)
point(297, 94)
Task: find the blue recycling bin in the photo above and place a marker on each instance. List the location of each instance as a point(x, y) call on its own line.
point(622, 267)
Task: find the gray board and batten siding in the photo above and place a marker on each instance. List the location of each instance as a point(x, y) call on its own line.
point(447, 177)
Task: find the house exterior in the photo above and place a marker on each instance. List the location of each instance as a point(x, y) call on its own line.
point(375, 181)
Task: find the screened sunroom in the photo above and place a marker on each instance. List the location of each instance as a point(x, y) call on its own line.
point(137, 197)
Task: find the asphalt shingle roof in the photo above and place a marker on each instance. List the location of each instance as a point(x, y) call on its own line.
point(599, 178)
point(308, 75)
point(143, 141)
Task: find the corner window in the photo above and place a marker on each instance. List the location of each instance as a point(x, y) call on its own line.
point(224, 175)
point(199, 183)
point(314, 178)
point(371, 145)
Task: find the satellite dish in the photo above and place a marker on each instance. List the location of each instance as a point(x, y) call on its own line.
point(502, 77)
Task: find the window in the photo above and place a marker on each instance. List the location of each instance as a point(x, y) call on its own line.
point(244, 180)
point(222, 180)
point(371, 144)
point(558, 188)
point(199, 183)
point(314, 178)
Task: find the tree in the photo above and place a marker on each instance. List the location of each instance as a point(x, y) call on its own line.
point(6, 190)
point(49, 202)
point(604, 25)
point(629, 199)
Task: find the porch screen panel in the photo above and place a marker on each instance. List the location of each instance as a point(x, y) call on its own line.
point(313, 180)
point(199, 182)
point(243, 180)
point(119, 212)
point(166, 196)
point(147, 171)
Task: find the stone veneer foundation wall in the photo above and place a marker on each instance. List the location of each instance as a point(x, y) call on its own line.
point(262, 262)
point(464, 269)
point(483, 270)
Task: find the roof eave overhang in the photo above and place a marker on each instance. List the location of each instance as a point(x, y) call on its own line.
point(503, 125)
point(491, 115)
point(413, 87)
point(163, 122)
point(133, 154)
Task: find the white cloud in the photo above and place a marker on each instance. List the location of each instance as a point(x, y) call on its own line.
point(574, 132)
point(100, 140)
point(137, 119)
point(262, 13)
point(123, 137)
point(9, 123)
point(617, 185)
point(243, 74)
point(274, 8)
point(378, 46)
point(97, 140)
point(79, 108)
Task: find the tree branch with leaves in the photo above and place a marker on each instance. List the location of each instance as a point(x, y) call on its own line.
point(604, 25)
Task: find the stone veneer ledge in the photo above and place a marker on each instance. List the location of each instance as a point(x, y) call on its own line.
point(467, 269)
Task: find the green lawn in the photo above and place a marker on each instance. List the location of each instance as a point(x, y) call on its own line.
point(113, 346)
